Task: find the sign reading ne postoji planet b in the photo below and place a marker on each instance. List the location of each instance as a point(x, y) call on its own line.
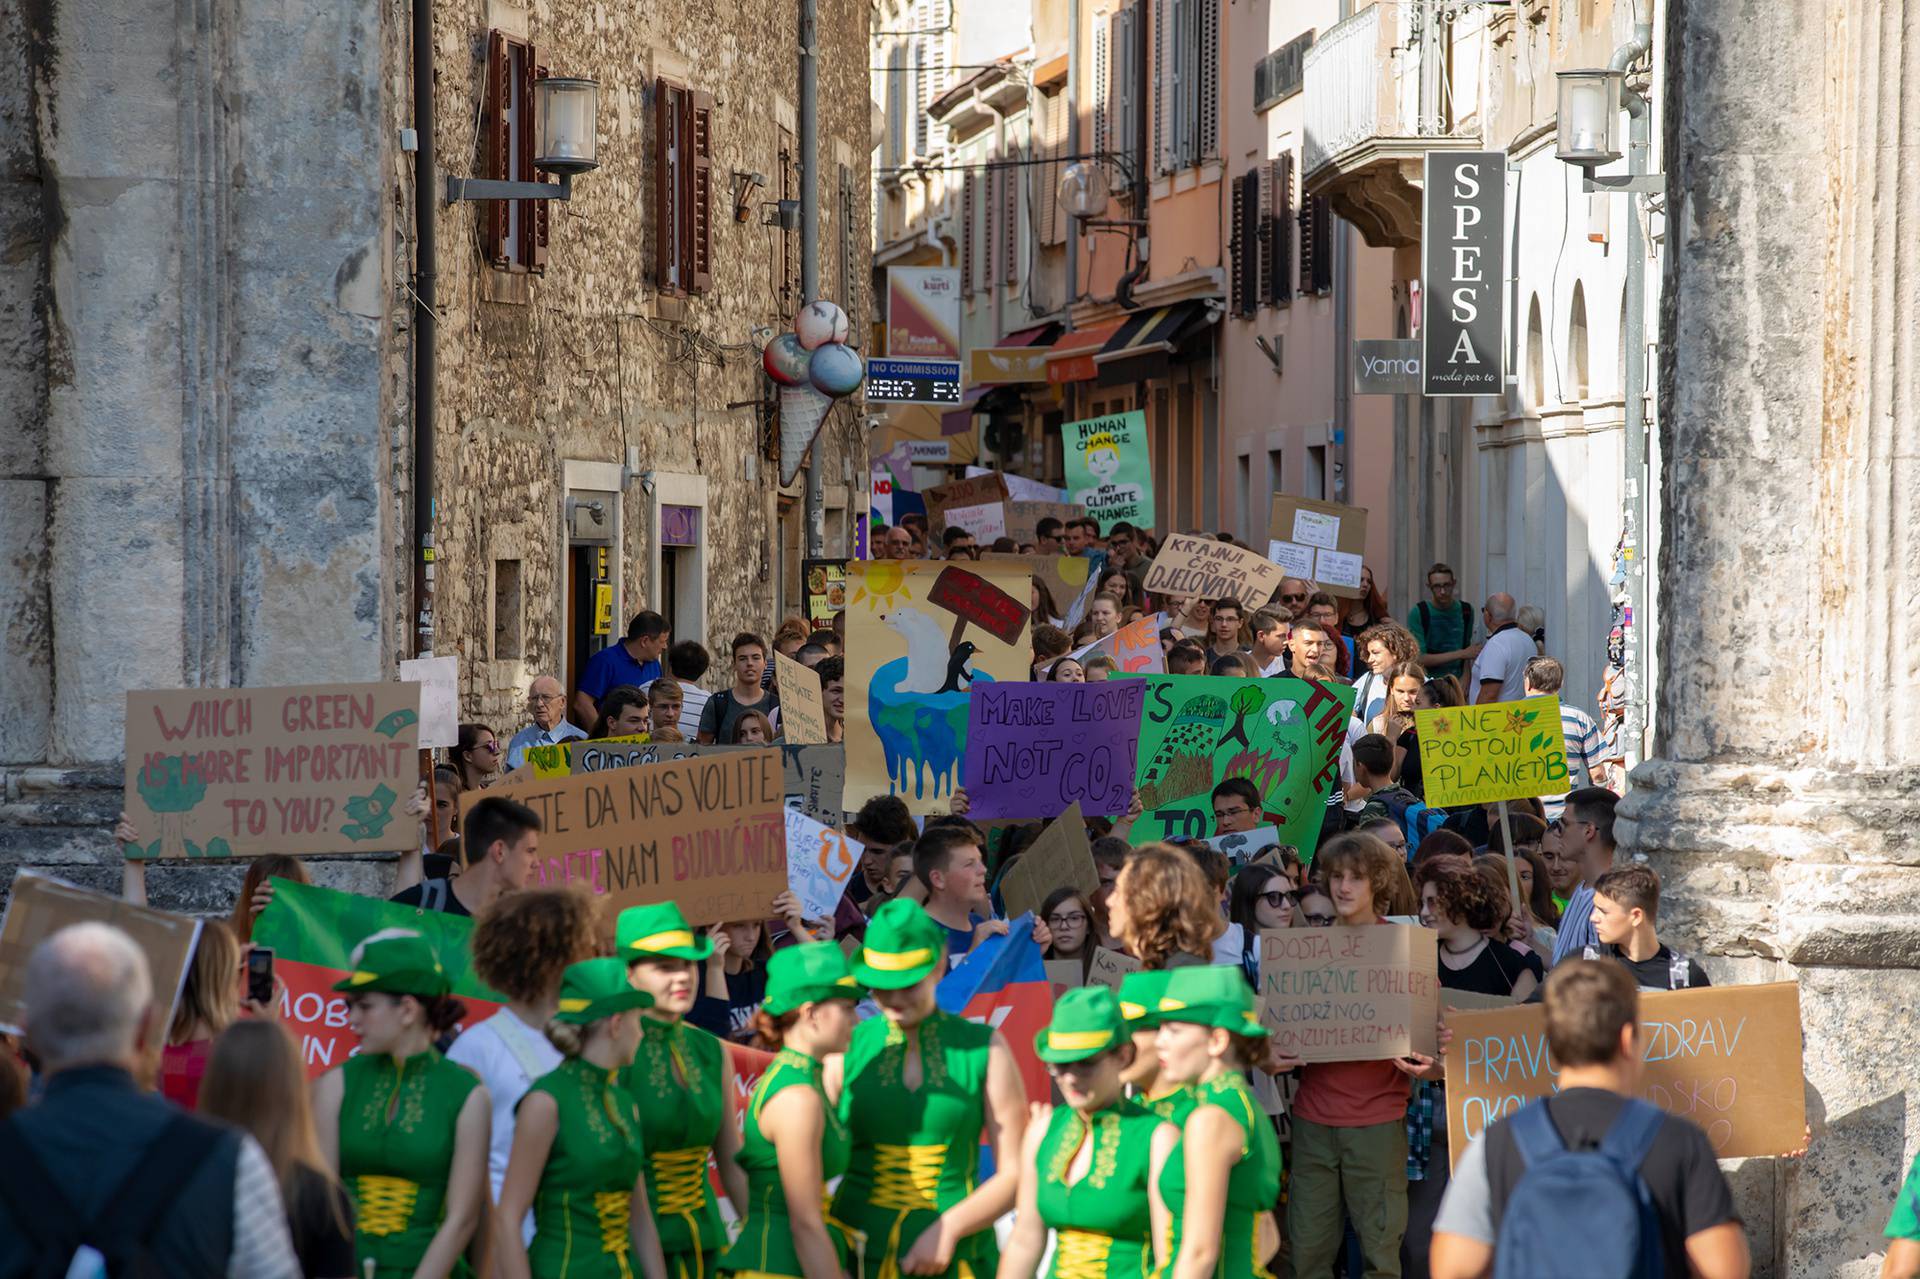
point(1503, 750)
point(239, 772)
point(1109, 468)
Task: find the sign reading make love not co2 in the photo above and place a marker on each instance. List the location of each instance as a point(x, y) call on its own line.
point(1033, 750)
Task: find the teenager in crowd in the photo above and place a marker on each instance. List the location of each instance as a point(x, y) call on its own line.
point(684, 1079)
point(1067, 670)
point(833, 697)
point(1469, 911)
point(950, 862)
point(500, 839)
point(724, 708)
point(1163, 909)
point(1225, 633)
point(921, 1086)
point(1626, 913)
point(1228, 1172)
point(1262, 899)
point(476, 756)
point(882, 824)
point(1433, 695)
point(1269, 629)
point(733, 980)
point(1325, 612)
point(402, 1126)
point(210, 1001)
point(1313, 908)
point(576, 1148)
point(796, 1140)
point(624, 712)
point(255, 1081)
point(751, 728)
point(1586, 831)
point(1069, 916)
point(666, 704)
point(1104, 613)
point(1092, 1172)
point(1381, 650)
point(256, 890)
point(1366, 612)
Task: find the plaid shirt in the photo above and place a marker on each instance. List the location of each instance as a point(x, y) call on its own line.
point(1420, 1103)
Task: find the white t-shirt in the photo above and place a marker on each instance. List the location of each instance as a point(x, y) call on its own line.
point(508, 1055)
point(1369, 696)
point(1505, 659)
point(693, 700)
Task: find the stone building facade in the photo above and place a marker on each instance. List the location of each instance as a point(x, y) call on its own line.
point(206, 404)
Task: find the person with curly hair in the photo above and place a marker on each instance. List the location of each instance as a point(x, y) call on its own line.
point(1380, 648)
point(521, 946)
point(1469, 908)
point(1164, 910)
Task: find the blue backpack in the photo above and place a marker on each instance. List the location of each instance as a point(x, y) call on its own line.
point(1411, 814)
point(1594, 1200)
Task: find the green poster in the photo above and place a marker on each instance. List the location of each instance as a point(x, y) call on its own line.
point(308, 924)
point(1284, 735)
point(1109, 468)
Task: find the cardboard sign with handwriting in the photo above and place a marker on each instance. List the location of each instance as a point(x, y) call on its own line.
point(1323, 542)
point(1726, 1058)
point(1063, 975)
point(238, 772)
point(1110, 968)
point(1060, 858)
point(1503, 750)
point(820, 863)
point(1198, 567)
point(975, 490)
point(707, 832)
point(1023, 517)
point(1134, 648)
point(586, 755)
point(41, 906)
point(803, 713)
point(1033, 749)
point(1350, 994)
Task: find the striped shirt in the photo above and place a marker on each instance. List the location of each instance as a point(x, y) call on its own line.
point(1584, 753)
point(1576, 926)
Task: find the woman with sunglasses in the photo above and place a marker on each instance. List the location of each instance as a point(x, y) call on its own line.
point(1312, 908)
point(1261, 899)
point(476, 758)
point(1091, 1173)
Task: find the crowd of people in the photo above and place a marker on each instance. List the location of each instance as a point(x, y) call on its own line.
point(597, 1122)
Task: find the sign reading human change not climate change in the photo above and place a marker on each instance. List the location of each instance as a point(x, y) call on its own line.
point(1109, 468)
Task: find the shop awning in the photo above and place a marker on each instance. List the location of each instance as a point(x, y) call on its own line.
point(959, 421)
point(921, 422)
point(1070, 358)
point(1143, 346)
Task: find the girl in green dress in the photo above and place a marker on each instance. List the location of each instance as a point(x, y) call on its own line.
point(921, 1086)
point(405, 1129)
point(1090, 1172)
point(1228, 1175)
point(577, 1156)
point(795, 1142)
point(1140, 995)
point(683, 1078)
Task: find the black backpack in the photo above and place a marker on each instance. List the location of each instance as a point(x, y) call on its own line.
point(128, 1216)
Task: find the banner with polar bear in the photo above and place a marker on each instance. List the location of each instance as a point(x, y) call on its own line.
point(920, 634)
point(1109, 468)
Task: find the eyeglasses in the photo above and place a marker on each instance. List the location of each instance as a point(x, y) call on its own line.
point(539, 699)
point(1318, 921)
point(1291, 599)
point(1276, 899)
point(1066, 921)
point(1222, 814)
point(491, 748)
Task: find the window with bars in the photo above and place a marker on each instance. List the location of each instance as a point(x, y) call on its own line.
point(1186, 80)
point(1276, 234)
point(513, 233)
point(683, 188)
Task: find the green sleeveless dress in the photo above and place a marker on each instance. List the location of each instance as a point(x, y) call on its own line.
point(583, 1210)
point(1103, 1225)
point(1173, 1106)
point(765, 1245)
point(680, 1076)
point(916, 1152)
point(1253, 1187)
point(398, 1121)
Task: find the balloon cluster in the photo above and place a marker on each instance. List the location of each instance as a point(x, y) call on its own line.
point(816, 352)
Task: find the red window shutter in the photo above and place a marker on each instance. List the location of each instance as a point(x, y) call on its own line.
point(533, 213)
point(498, 140)
point(700, 235)
point(663, 184)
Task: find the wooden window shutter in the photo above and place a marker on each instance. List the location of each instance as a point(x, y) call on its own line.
point(534, 224)
point(663, 185)
point(1207, 82)
point(1010, 269)
point(498, 140)
point(969, 182)
point(700, 206)
point(1280, 232)
point(1240, 284)
point(1308, 243)
point(1102, 87)
point(1053, 114)
point(990, 239)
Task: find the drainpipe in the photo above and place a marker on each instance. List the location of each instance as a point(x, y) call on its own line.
point(1073, 147)
point(425, 200)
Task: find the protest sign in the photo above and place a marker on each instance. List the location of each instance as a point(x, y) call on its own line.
point(1110, 468)
point(1060, 858)
point(1503, 750)
point(1323, 542)
point(977, 490)
point(313, 931)
point(820, 862)
point(826, 590)
point(1023, 518)
point(1284, 735)
point(706, 832)
point(1068, 580)
point(1020, 488)
point(439, 681)
point(1134, 648)
point(587, 755)
point(1726, 1058)
point(985, 522)
point(41, 906)
point(1034, 749)
point(803, 712)
point(1003, 983)
point(814, 775)
point(1064, 975)
point(1110, 968)
point(1201, 568)
point(920, 636)
point(238, 772)
point(1350, 994)
point(1242, 846)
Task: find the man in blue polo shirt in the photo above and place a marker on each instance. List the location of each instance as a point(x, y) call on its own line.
point(634, 660)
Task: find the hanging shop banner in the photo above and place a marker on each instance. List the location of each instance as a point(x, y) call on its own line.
point(1110, 468)
point(923, 314)
point(1463, 237)
point(239, 772)
point(1322, 542)
point(920, 635)
point(1503, 750)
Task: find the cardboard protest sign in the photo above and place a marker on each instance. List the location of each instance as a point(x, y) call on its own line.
point(803, 712)
point(313, 931)
point(1064, 974)
point(237, 772)
point(826, 582)
point(1060, 858)
point(1727, 1058)
point(1201, 568)
point(820, 863)
point(920, 636)
point(1110, 968)
point(1035, 749)
point(986, 521)
point(1323, 542)
point(1283, 735)
point(439, 681)
point(1023, 518)
point(1067, 579)
point(1503, 750)
point(1135, 647)
point(814, 775)
point(41, 906)
point(707, 832)
point(1350, 994)
point(1242, 846)
point(976, 490)
point(1110, 468)
point(587, 755)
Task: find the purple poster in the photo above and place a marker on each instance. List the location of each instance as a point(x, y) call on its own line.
point(1035, 749)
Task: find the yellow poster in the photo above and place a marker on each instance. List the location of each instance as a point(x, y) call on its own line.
point(1504, 750)
point(919, 634)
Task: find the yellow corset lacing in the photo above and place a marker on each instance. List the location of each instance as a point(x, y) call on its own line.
point(385, 1203)
point(1079, 1255)
point(680, 1190)
point(614, 1209)
point(904, 1180)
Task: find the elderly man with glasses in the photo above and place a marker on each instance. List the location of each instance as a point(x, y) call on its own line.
point(546, 702)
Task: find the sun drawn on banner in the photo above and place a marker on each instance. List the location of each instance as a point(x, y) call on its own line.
point(882, 581)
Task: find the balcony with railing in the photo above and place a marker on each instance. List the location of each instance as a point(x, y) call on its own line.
point(1366, 136)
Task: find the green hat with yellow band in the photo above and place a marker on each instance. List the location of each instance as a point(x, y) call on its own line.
point(807, 973)
point(398, 963)
point(596, 988)
point(1086, 1022)
point(1216, 996)
point(903, 946)
point(658, 931)
point(1140, 998)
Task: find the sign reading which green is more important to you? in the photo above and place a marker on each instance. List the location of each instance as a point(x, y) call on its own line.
point(1503, 750)
point(240, 772)
point(1109, 468)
